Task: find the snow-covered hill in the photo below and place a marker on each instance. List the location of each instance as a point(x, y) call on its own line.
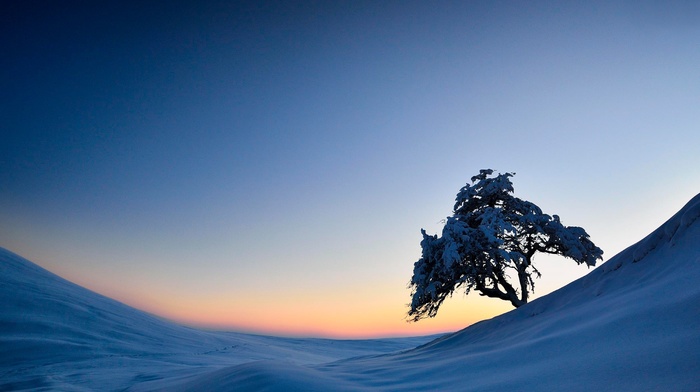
point(55, 335)
point(631, 325)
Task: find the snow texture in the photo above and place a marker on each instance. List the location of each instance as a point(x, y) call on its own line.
point(633, 324)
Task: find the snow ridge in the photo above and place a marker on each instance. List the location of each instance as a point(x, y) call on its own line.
point(675, 226)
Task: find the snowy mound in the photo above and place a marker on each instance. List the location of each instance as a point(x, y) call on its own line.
point(55, 335)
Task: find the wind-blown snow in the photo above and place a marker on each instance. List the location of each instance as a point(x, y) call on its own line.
point(633, 324)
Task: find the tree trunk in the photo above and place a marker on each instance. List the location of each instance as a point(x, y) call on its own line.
point(495, 292)
point(523, 278)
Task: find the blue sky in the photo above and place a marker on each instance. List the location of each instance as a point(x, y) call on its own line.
point(268, 166)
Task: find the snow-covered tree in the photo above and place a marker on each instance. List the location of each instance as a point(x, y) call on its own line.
point(488, 245)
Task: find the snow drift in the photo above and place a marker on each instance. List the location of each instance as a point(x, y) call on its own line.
point(631, 324)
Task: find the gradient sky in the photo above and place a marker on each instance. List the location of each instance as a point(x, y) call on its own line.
point(268, 166)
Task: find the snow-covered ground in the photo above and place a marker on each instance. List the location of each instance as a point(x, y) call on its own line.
point(631, 325)
point(55, 335)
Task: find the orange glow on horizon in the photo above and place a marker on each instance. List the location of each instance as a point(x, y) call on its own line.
point(371, 314)
point(325, 322)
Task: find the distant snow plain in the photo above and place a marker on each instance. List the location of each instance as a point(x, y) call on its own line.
point(633, 324)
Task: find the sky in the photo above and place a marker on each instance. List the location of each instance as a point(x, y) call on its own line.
point(267, 166)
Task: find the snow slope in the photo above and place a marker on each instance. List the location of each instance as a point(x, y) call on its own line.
point(633, 324)
point(55, 335)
